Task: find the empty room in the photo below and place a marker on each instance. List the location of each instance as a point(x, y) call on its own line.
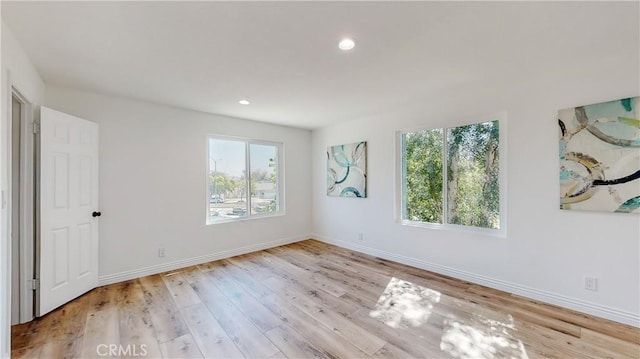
point(320, 179)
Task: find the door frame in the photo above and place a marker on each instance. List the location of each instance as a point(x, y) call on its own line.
point(28, 201)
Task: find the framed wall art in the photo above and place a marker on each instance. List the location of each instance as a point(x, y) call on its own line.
point(600, 157)
point(347, 170)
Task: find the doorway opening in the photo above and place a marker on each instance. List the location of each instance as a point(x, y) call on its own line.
point(22, 205)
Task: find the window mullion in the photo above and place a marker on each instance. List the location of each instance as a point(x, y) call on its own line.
point(403, 199)
point(208, 183)
point(248, 177)
point(445, 162)
point(279, 179)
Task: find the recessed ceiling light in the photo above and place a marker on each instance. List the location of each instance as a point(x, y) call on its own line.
point(244, 102)
point(346, 44)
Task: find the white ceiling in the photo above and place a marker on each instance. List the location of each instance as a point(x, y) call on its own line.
point(283, 56)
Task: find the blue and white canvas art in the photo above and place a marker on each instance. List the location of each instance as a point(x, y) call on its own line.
point(600, 157)
point(347, 170)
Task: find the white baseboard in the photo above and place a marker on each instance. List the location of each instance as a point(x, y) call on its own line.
point(164, 267)
point(598, 310)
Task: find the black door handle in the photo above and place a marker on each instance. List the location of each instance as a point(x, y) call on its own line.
point(96, 214)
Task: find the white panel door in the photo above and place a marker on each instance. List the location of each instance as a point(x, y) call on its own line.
point(69, 209)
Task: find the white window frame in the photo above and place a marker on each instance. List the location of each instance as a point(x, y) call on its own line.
point(400, 195)
point(279, 182)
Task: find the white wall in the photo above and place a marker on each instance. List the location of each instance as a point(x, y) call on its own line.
point(17, 69)
point(153, 172)
point(547, 251)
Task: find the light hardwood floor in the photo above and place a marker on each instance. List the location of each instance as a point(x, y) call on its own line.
point(313, 300)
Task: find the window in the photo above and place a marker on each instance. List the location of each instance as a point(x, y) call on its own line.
point(451, 176)
point(243, 180)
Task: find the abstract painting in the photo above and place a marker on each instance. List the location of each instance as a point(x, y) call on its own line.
point(600, 157)
point(347, 170)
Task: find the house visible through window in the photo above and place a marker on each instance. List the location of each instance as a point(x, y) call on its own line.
point(243, 179)
point(451, 176)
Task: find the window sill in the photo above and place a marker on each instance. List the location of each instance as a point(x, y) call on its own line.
point(245, 219)
point(497, 233)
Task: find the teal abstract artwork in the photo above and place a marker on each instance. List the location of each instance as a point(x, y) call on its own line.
point(600, 157)
point(347, 170)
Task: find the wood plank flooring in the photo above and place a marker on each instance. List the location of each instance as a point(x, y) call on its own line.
point(313, 300)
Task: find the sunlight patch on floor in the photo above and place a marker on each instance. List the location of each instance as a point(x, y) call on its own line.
point(482, 338)
point(404, 304)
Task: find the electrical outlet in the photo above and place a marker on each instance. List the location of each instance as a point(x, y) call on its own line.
point(161, 252)
point(591, 283)
point(361, 236)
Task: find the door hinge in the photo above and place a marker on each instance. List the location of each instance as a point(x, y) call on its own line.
point(35, 284)
point(35, 127)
